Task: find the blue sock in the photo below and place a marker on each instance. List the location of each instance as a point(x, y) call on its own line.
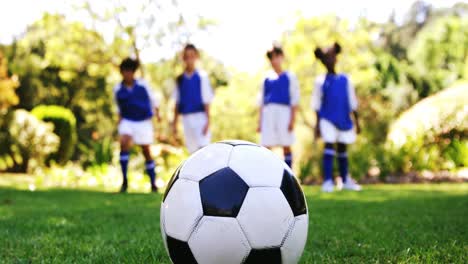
point(150, 170)
point(124, 157)
point(288, 159)
point(328, 157)
point(343, 165)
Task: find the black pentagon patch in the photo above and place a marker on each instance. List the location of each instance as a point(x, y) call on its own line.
point(293, 193)
point(171, 182)
point(268, 255)
point(222, 193)
point(236, 142)
point(179, 251)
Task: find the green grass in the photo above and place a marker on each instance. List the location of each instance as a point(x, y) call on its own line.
point(384, 223)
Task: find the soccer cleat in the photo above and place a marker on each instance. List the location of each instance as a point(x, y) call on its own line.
point(351, 185)
point(154, 189)
point(124, 188)
point(328, 186)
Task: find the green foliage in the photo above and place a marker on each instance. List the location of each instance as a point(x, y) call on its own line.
point(64, 126)
point(7, 86)
point(234, 112)
point(9, 155)
point(31, 141)
point(457, 152)
point(99, 152)
point(8, 98)
point(439, 54)
point(392, 66)
point(63, 63)
point(437, 124)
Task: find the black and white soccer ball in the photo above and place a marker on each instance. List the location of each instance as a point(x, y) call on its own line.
point(234, 202)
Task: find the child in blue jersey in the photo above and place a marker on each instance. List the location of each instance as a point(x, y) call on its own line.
point(278, 105)
point(193, 95)
point(137, 104)
point(334, 100)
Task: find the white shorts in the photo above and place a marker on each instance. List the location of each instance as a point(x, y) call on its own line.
point(193, 131)
point(274, 127)
point(141, 131)
point(331, 134)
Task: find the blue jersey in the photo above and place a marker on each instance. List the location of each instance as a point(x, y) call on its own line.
point(135, 103)
point(276, 90)
point(189, 90)
point(335, 103)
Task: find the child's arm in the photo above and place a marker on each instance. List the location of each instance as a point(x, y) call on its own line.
point(207, 112)
point(259, 126)
point(316, 103)
point(154, 100)
point(294, 92)
point(207, 98)
point(354, 105)
point(260, 96)
point(156, 113)
point(317, 126)
point(115, 90)
point(293, 118)
point(175, 96)
point(176, 119)
point(356, 121)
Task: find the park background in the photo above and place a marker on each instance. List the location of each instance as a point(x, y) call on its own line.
point(409, 64)
point(58, 144)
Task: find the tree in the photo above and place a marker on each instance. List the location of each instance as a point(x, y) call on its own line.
point(429, 47)
point(8, 98)
point(145, 25)
point(439, 54)
point(8, 84)
point(63, 63)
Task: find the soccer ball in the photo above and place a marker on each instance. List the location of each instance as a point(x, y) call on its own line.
point(234, 202)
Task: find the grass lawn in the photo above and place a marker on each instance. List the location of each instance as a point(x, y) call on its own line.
point(383, 223)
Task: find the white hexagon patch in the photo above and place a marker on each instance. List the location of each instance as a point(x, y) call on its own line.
point(183, 207)
point(265, 217)
point(258, 167)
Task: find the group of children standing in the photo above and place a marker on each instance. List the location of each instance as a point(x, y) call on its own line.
point(333, 100)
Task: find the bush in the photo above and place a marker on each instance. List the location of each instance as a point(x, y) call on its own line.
point(64, 126)
point(31, 140)
point(430, 135)
point(97, 153)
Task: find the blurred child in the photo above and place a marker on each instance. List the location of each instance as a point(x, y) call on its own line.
point(334, 100)
point(279, 100)
point(193, 96)
point(137, 104)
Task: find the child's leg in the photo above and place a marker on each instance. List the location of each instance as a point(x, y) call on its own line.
point(328, 157)
point(288, 157)
point(343, 161)
point(190, 137)
point(149, 165)
point(125, 144)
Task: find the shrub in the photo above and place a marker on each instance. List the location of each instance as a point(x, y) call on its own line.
point(98, 152)
point(31, 140)
point(429, 135)
point(64, 126)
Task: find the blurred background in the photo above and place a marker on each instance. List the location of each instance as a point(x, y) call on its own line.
point(59, 61)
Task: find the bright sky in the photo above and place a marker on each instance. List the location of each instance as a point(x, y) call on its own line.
point(247, 25)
